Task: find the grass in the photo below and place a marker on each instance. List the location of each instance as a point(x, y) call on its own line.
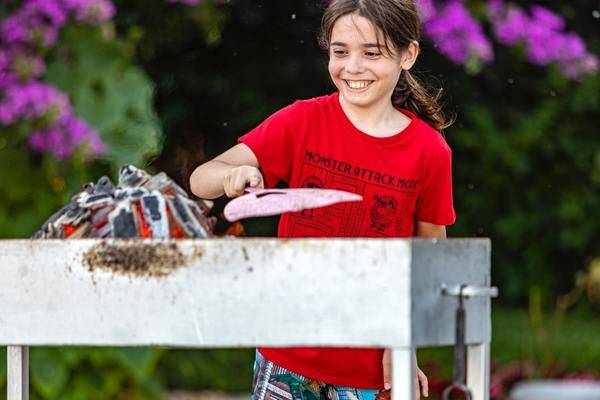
point(573, 343)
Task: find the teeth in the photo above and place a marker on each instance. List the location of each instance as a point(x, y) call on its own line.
point(358, 84)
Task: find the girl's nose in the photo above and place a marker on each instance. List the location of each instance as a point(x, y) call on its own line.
point(354, 64)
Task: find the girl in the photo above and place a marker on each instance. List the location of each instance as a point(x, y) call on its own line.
point(376, 136)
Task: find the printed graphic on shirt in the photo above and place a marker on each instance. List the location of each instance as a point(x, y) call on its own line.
point(386, 210)
point(272, 382)
point(383, 212)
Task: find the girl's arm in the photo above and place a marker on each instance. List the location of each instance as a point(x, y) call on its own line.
point(428, 230)
point(228, 173)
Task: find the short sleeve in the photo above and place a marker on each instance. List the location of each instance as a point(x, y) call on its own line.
point(435, 203)
point(272, 144)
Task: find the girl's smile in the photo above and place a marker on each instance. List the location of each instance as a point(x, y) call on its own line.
point(357, 86)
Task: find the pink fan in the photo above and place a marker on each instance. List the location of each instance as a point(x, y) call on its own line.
point(265, 202)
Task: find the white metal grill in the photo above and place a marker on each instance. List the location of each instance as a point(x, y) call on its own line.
point(246, 293)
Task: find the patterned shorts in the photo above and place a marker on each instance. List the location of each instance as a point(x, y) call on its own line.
point(272, 382)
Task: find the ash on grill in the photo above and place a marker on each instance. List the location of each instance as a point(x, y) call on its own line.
point(140, 206)
point(135, 258)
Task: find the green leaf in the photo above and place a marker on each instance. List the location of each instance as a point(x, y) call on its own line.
point(140, 362)
point(49, 372)
point(111, 93)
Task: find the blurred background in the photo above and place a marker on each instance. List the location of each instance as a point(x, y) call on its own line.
point(88, 85)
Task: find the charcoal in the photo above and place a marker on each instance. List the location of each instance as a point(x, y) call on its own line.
point(184, 218)
point(199, 216)
point(55, 232)
point(103, 232)
point(100, 216)
point(164, 184)
point(130, 193)
point(84, 230)
point(104, 186)
point(138, 207)
point(122, 222)
point(96, 201)
point(130, 176)
point(44, 230)
point(75, 216)
point(155, 211)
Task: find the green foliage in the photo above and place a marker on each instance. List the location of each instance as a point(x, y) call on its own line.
point(526, 178)
point(92, 373)
point(227, 370)
point(515, 338)
point(113, 95)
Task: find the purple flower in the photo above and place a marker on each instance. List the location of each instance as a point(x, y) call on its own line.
point(14, 30)
point(542, 32)
point(91, 11)
point(44, 10)
point(36, 23)
point(511, 28)
point(426, 10)
point(33, 101)
point(550, 20)
point(457, 35)
point(22, 99)
point(576, 69)
point(65, 137)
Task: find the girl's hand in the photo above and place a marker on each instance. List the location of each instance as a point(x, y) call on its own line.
point(421, 384)
point(237, 178)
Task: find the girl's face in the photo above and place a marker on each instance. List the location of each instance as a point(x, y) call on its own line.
point(364, 73)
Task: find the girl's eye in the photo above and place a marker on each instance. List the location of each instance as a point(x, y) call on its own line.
point(339, 52)
point(372, 54)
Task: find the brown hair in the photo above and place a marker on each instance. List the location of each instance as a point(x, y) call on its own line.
point(399, 23)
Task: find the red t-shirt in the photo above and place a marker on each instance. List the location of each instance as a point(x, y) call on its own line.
point(403, 178)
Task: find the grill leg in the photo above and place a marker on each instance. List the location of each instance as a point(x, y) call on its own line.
point(403, 373)
point(17, 358)
point(478, 370)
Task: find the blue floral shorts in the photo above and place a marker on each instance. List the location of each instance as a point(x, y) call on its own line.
point(272, 382)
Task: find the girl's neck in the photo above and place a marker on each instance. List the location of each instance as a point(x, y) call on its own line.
point(380, 119)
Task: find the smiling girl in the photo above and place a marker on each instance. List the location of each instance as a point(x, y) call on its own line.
point(377, 136)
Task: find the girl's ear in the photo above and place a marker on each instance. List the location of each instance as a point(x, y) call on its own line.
point(409, 56)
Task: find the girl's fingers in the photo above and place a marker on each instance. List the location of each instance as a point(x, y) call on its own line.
point(239, 184)
point(235, 181)
point(387, 369)
point(256, 179)
point(253, 177)
point(424, 382)
point(226, 182)
point(417, 393)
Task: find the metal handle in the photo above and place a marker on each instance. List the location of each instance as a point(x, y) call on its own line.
point(452, 390)
point(468, 290)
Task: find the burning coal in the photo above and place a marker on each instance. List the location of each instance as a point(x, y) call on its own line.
point(140, 206)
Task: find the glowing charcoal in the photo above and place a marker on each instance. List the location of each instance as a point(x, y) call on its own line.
point(184, 218)
point(155, 211)
point(140, 206)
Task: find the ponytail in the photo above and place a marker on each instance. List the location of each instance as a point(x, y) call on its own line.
point(411, 95)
